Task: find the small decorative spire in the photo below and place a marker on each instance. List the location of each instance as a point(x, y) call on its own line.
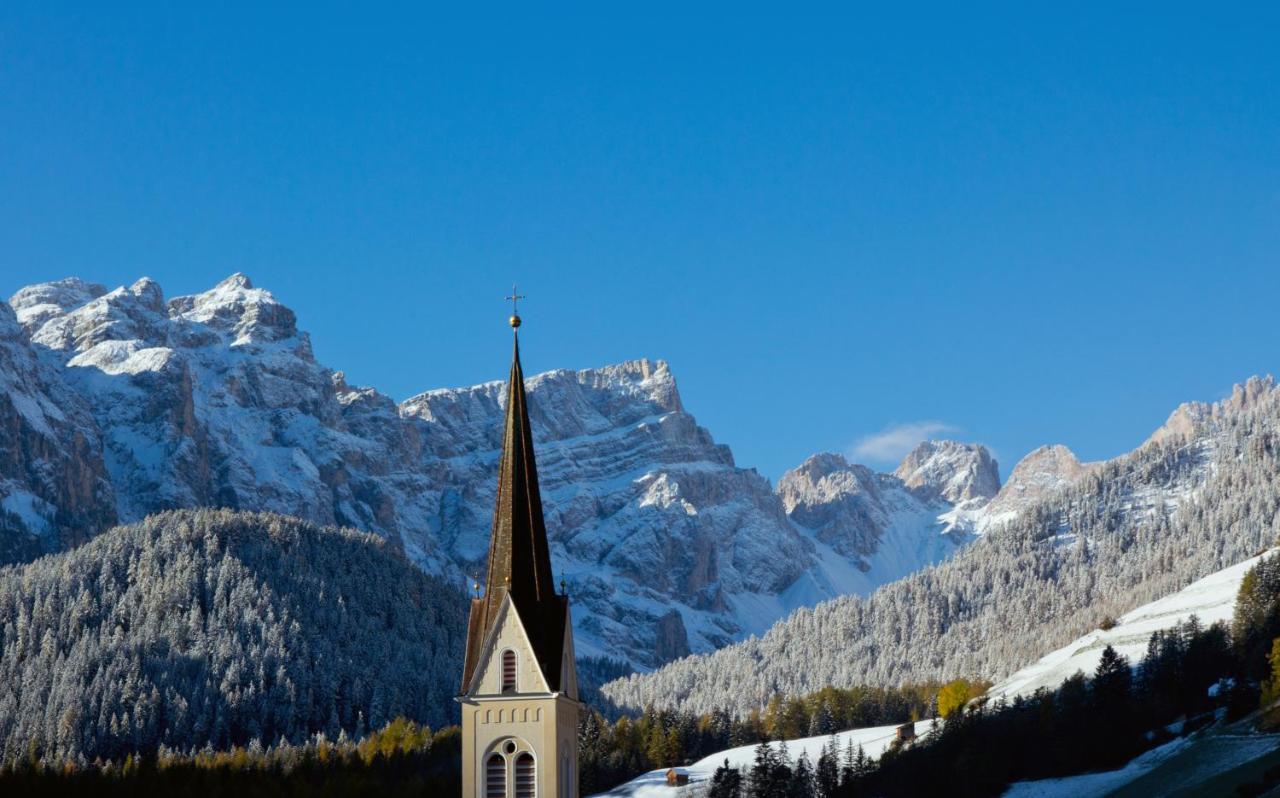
point(564, 590)
point(515, 298)
point(475, 585)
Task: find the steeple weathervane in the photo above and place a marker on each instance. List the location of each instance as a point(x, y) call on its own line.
point(514, 299)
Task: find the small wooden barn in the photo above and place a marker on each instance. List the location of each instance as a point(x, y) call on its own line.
point(677, 778)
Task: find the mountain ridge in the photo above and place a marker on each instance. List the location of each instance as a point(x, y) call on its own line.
point(216, 399)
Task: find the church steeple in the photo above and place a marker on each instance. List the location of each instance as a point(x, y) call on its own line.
point(519, 557)
point(519, 560)
point(519, 696)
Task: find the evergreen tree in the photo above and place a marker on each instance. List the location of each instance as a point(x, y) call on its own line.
point(726, 782)
point(1112, 679)
point(801, 783)
point(827, 772)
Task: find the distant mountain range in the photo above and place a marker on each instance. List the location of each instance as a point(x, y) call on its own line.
point(1063, 546)
point(118, 404)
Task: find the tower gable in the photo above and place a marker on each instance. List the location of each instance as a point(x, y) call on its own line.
point(508, 633)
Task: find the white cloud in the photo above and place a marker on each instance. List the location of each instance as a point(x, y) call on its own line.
point(892, 443)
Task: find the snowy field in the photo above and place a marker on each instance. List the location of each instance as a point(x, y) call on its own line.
point(1210, 599)
point(1183, 764)
point(874, 741)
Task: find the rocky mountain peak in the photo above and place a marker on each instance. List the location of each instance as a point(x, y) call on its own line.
point(955, 471)
point(234, 306)
point(820, 479)
point(1042, 472)
point(36, 304)
point(1187, 420)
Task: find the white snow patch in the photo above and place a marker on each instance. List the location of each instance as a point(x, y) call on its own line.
point(1210, 599)
point(874, 741)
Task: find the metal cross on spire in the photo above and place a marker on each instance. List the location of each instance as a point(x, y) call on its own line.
point(514, 299)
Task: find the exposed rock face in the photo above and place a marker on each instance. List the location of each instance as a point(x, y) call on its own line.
point(885, 526)
point(1190, 416)
point(672, 640)
point(1038, 475)
point(54, 490)
point(957, 472)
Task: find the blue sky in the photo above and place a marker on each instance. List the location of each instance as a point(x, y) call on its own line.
point(1011, 230)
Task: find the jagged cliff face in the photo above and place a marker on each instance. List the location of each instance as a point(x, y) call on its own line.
point(1043, 472)
point(216, 399)
point(54, 490)
point(957, 472)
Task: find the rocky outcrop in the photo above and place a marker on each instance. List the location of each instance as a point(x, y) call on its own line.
point(957, 472)
point(1035, 478)
point(672, 640)
point(54, 490)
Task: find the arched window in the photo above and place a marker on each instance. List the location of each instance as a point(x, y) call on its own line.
point(526, 775)
point(495, 777)
point(566, 785)
point(508, 671)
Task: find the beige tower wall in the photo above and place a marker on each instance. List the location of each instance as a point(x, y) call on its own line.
point(538, 721)
point(546, 727)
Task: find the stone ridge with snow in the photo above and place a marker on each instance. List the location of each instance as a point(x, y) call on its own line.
point(886, 527)
point(1037, 476)
point(54, 489)
point(958, 472)
point(216, 399)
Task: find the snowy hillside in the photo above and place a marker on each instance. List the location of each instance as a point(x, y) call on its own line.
point(874, 741)
point(213, 627)
point(1210, 599)
point(1200, 496)
point(120, 403)
point(1211, 762)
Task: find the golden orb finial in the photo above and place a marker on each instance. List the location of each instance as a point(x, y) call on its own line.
point(515, 298)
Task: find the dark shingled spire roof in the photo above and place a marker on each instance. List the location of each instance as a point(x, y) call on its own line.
point(519, 558)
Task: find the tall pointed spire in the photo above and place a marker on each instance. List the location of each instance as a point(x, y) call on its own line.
point(519, 556)
point(519, 559)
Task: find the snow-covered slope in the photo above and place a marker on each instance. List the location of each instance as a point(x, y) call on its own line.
point(216, 399)
point(874, 740)
point(1210, 599)
point(1211, 762)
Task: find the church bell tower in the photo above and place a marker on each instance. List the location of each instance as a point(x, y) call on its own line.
point(519, 691)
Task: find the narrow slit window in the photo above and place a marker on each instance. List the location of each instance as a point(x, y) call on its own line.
point(508, 671)
point(526, 776)
point(495, 777)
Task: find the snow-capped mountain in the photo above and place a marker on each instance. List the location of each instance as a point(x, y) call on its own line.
point(887, 525)
point(216, 399)
point(957, 472)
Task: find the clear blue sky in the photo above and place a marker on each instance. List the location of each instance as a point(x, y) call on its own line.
point(1050, 229)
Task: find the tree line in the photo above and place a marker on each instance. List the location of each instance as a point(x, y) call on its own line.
point(1089, 723)
point(611, 753)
